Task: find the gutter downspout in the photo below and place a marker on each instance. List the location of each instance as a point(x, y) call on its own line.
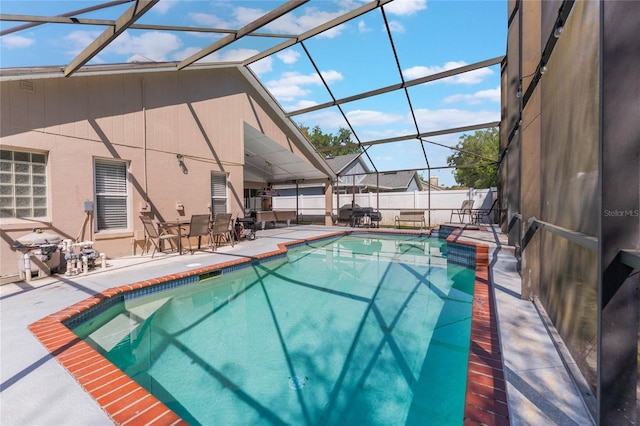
point(297, 205)
point(144, 141)
point(378, 192)
point(429, 196)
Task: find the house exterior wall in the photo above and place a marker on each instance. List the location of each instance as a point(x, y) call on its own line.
point(145, 119)
point(354, 168)
point(413, 185)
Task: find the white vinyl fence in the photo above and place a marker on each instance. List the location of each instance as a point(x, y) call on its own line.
point(438, 209)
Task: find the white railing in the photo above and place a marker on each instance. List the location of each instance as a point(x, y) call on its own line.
point(438, 209)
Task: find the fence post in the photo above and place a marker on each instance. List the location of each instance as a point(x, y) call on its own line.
point(300, 208)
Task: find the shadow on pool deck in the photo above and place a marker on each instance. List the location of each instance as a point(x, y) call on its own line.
point(35, 389)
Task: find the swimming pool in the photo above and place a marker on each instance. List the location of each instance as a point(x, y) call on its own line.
point(367, 329)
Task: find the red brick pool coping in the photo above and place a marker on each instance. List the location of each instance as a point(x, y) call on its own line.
point(127, 403)
point(486, 398)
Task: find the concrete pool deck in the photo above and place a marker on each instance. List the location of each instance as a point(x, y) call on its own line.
point(37, 390)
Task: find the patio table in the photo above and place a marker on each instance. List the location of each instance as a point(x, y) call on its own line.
point(177, 226)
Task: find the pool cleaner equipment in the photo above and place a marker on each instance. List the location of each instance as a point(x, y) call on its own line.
point(82, 260)
point(41, 254)
point(38, 254)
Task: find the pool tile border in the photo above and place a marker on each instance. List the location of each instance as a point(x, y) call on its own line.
point(127, 403)
point(486, 396)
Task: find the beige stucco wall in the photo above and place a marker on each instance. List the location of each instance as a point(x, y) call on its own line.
point(145, 118)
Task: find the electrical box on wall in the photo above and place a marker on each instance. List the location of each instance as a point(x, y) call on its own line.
point(88, 206)
point(144, 207)
point(179, 205)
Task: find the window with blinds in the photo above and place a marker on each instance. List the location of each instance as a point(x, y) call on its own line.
point(218, 193)
point(112, 195)
point(23, 184)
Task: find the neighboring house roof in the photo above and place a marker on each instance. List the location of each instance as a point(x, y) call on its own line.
point(387, 181)
point(426, 185)
point(392, 180)
point(341, 162)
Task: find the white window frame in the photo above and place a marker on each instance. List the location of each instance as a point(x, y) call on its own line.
point(24, 185)
point(216, 195)
point(118, 189)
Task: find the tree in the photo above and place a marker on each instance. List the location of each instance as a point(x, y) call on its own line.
point(479, 148)
point(339, 144)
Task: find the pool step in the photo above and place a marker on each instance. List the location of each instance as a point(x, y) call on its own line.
point(115, 331)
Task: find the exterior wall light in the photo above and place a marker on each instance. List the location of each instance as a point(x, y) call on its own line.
point(558, 31)
point(183, 166)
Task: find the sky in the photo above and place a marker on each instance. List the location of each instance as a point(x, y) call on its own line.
point(428, 36)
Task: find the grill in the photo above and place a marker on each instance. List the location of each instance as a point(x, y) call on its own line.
point(365, 216)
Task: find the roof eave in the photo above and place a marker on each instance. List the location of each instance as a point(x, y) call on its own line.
point(301, 141)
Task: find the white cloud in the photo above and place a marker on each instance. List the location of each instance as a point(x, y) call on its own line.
point(233, 55)
point(289, 85)
point(185, 53)
point(288, 56)
point(396, 27)
point(439, 119)
point(312, 17)
point(163, 6)
point(372, 118)
point(154, 45)
point(13, 41)
point(331, 76)
point(492, 95)
point(210, 20)
point(246, 15)
point(372, 134)
point(420, 71)
point(362, 27)
point(78, 40)
point(328, 120)
point(206, 35)
point(288, 93)
point(262, 66)
point(471, 77)
point(301, 104)
point(288, 24)
point(405, 7)
point(333, 32)
point(295, 78)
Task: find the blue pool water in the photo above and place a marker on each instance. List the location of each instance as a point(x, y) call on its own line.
point(370, 330)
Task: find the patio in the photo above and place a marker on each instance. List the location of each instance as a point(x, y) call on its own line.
point(539, 388)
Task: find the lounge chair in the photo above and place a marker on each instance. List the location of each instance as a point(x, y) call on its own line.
point(157, 238)
point(464, 210)
point(222, 229)
point(200, 226)
point(480, 214)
